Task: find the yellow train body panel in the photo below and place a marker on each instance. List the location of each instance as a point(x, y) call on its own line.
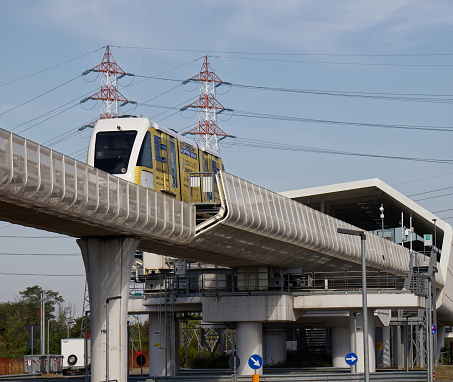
point(142, 152)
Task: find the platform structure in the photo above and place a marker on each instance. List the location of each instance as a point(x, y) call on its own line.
point(254, 230)
point(322, 296)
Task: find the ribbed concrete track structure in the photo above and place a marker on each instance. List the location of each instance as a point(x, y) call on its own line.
point(45, 189)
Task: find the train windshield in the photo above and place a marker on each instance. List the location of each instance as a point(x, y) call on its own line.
point(113, 150)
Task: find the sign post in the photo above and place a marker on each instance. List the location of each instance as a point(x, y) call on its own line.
point(351, 359)
point(428, 240)
point(32, 343)
point(255, 362)
point(141, 361)
point(233, 363)
point(366, 361)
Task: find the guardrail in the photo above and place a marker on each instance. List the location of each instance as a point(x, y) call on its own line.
point(20, 377)
point(395, 376)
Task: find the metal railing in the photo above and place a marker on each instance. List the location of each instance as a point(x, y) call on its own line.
point(203, 187)
point(216, 281)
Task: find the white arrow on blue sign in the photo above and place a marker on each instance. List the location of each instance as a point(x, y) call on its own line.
point(255, 361)
point(351, 359)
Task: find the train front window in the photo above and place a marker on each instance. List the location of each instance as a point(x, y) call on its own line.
point(113, 150)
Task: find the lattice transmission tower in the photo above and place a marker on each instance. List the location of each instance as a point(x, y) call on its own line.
point(109, 95)
point(207, 130)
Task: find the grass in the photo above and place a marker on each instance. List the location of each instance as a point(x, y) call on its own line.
point(444, 372)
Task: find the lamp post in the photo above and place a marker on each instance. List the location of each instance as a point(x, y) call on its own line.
point(69, 323)
point(107, 331)
point(87, 369)
point(362, 235)
point(381, 209)
point(48, 334)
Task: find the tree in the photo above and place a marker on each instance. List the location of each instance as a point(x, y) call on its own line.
point(32, 296)
point(26, 311)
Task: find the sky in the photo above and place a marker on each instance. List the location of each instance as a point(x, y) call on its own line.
point(323, 92)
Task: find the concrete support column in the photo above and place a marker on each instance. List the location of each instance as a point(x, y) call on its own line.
point(382, 338)
point(159, 360)
point(108, 263)
point(399, 348)
point(249, 340)
point(358, 324)
point(274, 347)
point(421, 346)
point(440, 342)
point(341, 345)
point(386, 360)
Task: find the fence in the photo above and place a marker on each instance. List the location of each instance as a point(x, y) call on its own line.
point(10, 366)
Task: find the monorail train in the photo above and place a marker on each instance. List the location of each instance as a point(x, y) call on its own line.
point(140, 151)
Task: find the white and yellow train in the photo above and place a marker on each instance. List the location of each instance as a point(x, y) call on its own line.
point(140, 151)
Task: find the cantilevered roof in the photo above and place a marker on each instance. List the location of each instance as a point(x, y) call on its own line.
point(358, 203)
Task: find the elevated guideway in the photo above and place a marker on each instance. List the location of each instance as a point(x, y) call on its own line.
point(44, 189)
point(254, 227)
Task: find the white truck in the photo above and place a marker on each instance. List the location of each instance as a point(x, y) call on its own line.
point(73, 351)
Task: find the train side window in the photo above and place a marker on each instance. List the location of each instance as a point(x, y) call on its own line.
point(145, 158)
point(205, 163)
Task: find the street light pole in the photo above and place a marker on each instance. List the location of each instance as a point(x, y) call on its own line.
point(362, 235)
point(381, 208)
point(69, 323)
point(107, 331)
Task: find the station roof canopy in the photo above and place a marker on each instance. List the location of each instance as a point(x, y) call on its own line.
point(359, 202)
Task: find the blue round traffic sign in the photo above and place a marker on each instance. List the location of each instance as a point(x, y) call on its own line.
point(351, 359)
point(255, 361)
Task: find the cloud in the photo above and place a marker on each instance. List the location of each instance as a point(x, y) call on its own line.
point(305, 25)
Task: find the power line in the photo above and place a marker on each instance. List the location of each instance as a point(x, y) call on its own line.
point(428, 192)
point(34, 98)
point(39, 254)
point(408, 97)
point(12, 128)
point(434, 197)
point(448, 209)
point(335, 62)
point(286, 54)
point(38, 274)
point(50, 67)
point(247, 114)
point(34, 237)
point(425, 178)
point(288, 147)
point(413, 97)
